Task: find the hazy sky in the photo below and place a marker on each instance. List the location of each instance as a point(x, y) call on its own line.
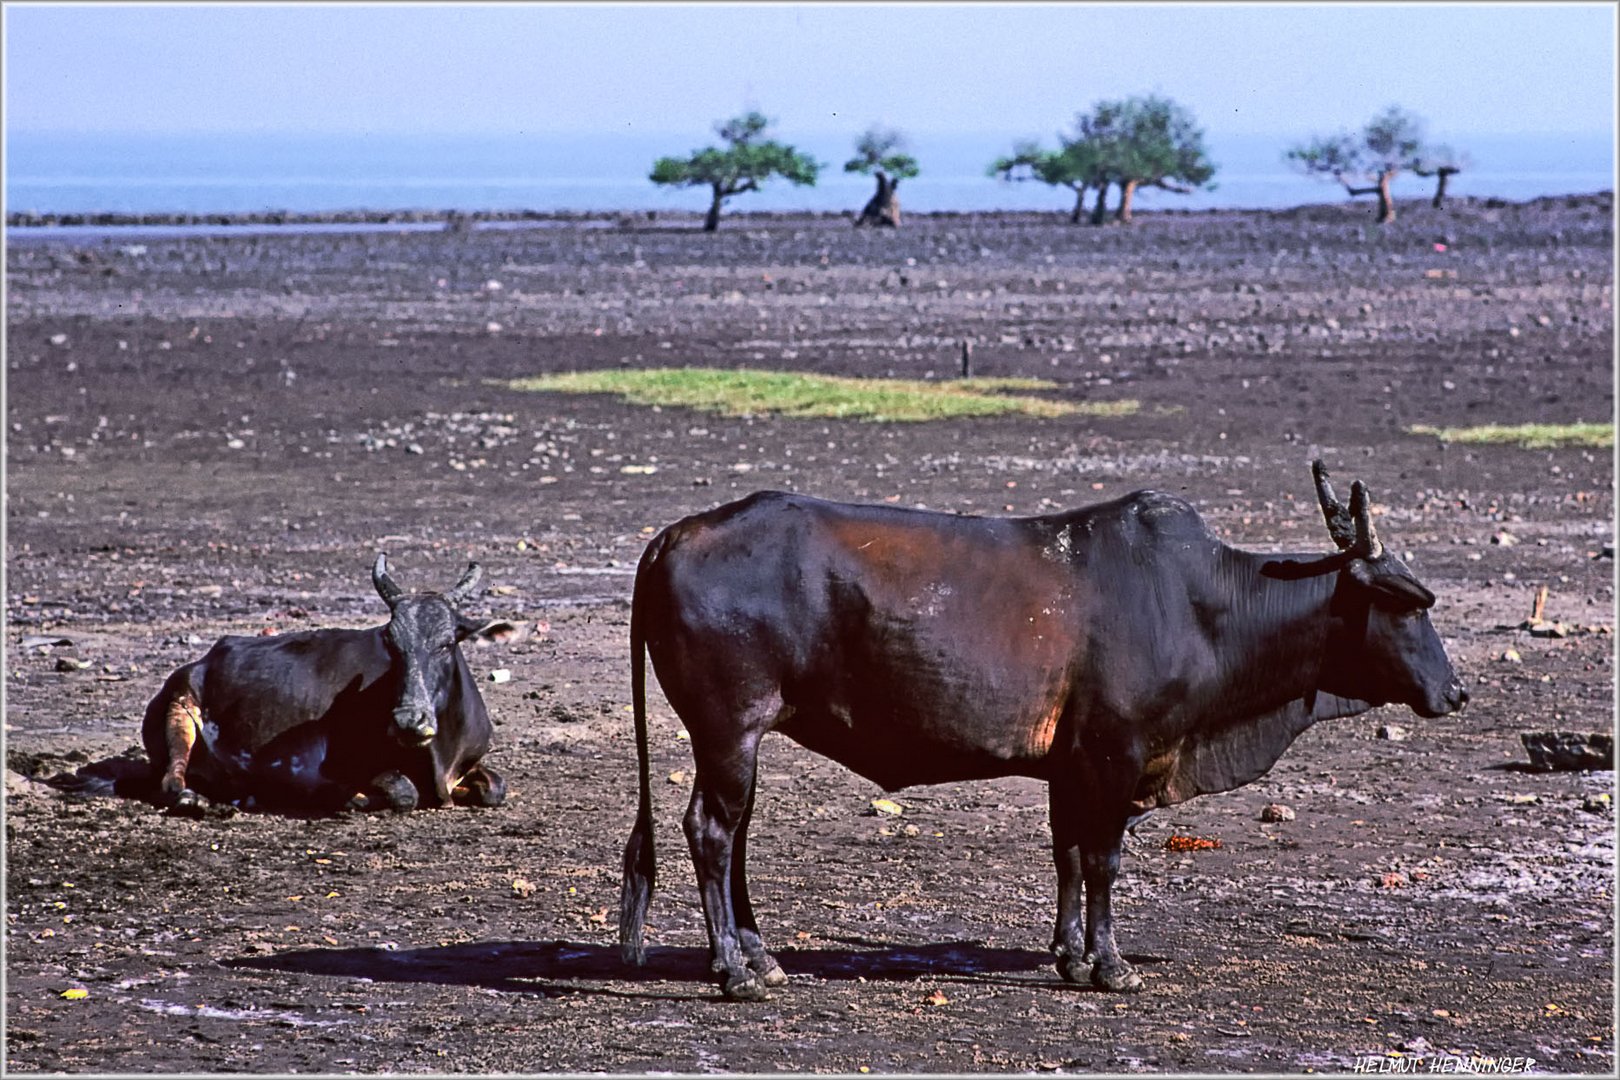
point(1261, 68)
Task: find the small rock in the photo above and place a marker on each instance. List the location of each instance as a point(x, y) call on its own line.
point(413, 448)
point(885, 806)
point(1568, 750)
point(1393, 733)
point(1549, 630)
point(1597, 804)
point(523, 887)
point(68, 663)
point(1511, 656)
point(1504, 539)
point(59, 340)
point(1274, 812)
point(1607, 552)
point(500, 675)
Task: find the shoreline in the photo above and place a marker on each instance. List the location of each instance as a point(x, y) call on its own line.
point(456, 220)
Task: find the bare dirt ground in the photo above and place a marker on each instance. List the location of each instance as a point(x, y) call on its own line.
point(211, 435)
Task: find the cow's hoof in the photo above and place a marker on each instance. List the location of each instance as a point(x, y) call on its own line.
point(394, 792)
point(769, 971)
point(187, 803)
point(745, 987)
point(1074, 970)
point(1118, 977)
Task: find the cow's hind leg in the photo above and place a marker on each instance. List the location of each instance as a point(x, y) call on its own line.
point(721, 787)
point(761, 962)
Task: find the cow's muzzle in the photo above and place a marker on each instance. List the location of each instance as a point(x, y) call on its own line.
point(414, 727)
point(1448, 701)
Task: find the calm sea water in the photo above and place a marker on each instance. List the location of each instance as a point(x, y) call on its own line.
point(606, 172)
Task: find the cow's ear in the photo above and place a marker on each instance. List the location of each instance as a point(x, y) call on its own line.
point(498, 630)
point(1404, 590)
point(1392, 585)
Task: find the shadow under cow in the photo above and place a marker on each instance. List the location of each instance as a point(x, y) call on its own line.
point(563, 967)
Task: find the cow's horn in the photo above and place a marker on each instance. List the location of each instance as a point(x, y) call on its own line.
point(464, 588)
point(1339, 522)
point(1367, 545)
point(385, 584)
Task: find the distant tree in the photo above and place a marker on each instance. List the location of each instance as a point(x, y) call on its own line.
point(1442, 163)
point(1132, 143)
point(1366, 165)
point(1074, 165)
point(748, 160)
point(1152, 142)
point(882, 153)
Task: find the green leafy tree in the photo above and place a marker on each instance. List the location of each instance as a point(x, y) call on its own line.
point(881, 153)
point(1152, 142)
point(1441, 162)
point(1365, 165)
point(748, 160)
point(1076, 165)
point(1131, 143)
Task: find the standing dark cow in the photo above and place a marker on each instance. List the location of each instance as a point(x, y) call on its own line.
point(321, 720)
point(1119, 652)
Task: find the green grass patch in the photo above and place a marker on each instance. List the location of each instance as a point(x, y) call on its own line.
point(1529, 436)
point(787, 393)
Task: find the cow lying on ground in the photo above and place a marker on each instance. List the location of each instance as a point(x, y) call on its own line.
point(322, 720)
point(1119, 652)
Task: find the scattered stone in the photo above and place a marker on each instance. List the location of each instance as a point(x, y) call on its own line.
point(1597, 804)
point(68, 663)
point(886, 806)
point(1511, 656)
point(1274, 812)
point(1393, 733)
point(1504, 539)
point(500, 675)
point(1549, 630)
point(43, 641)
point(59, 340)
point(523, 887)
point(1607, 551)
point(560, 714)
point(1565, 751)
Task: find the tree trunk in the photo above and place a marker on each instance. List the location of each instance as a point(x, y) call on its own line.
point(1079, 204)
point(1386, 205)
point(1442, 175)
point(883, 209)
point(712, 221)
point(1099, 211)
point(1126, 191)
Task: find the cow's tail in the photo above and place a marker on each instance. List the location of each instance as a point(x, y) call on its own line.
point(640, 862)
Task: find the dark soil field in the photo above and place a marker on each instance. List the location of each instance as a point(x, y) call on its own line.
point(212, 435)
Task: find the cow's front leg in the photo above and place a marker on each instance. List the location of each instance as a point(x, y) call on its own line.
point(480, 786)
point(390, 791)
point(1068, 937)
point(182, 723)
point(1100, 866)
